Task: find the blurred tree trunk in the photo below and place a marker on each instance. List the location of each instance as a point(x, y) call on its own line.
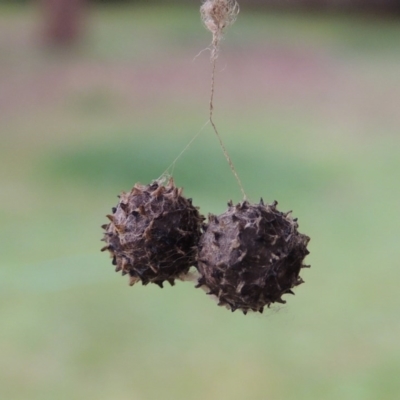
point(63, 20)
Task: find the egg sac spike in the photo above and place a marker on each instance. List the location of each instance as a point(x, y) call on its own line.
point(251, 255)
point(153, 233)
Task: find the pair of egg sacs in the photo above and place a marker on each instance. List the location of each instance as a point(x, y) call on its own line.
point(248, 257)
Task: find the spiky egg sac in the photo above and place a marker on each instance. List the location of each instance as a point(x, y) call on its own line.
point(153, 233)
point(251, 255)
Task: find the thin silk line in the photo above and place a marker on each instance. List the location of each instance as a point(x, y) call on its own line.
point(226, 154)
point(172, 165)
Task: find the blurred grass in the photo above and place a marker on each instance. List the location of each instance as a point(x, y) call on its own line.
point(73, 329)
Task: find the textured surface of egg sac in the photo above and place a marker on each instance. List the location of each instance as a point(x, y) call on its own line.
point(153, 233)
point(251, 255)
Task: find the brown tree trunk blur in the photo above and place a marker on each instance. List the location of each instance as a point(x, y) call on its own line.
point(63, 20)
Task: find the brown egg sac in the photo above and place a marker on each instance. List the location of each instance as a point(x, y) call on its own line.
point(250, 256)
point(153, 233)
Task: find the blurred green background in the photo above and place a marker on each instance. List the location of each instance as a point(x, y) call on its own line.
point(307, 105)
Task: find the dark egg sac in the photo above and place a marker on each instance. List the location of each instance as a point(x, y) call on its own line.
point(153, 233)
point(251, 255)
